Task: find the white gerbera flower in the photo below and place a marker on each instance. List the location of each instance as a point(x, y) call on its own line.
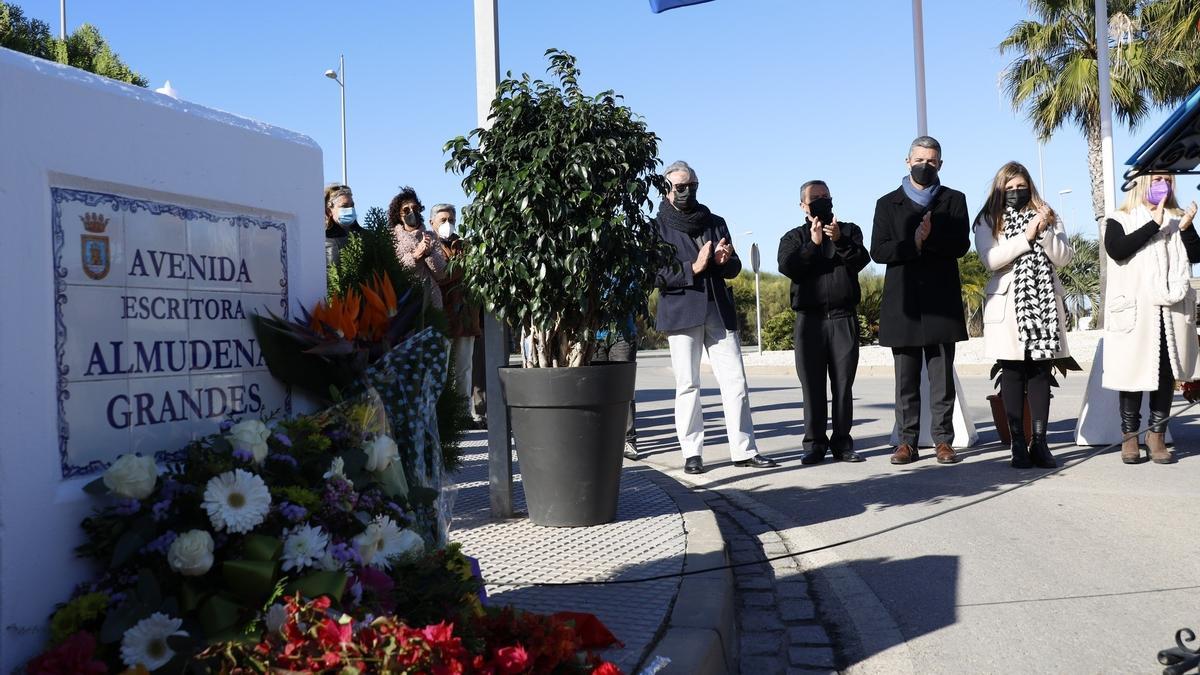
point(146, 642)
point(303, 546)
point(275, 618)
point(236, 501)
point(384, 541)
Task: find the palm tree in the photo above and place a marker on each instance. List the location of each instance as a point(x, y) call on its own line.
point(974, 278)
point(1054, 77)
point(1081, 278)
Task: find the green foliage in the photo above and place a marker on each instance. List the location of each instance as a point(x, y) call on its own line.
point(779, 331)
point(774, 295)
point(974, 278)
point(870, 306)
point(560, 184)
point(368, 253)
point(26, 35)
point(1081, 278)
point(86, 48)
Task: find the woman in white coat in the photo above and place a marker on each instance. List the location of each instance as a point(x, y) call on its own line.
point(1150, 309)
point(1021, 241)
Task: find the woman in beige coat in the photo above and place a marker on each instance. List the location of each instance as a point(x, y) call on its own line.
point(1150, 309)
point(1021, 241)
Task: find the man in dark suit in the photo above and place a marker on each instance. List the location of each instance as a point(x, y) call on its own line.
point(921, 229)
point(823, 257)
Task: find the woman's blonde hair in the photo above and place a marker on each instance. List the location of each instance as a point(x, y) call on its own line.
point(994, 206)
point(1141, 187)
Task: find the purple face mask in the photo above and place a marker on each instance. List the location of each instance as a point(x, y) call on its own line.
point(1158, 192)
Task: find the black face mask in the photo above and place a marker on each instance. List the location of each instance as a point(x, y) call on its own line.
point(821, 209)
point(684, 200)
point(412, 220)
point(1017, 199)
point(923, 174)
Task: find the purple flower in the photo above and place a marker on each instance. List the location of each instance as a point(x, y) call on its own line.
point(345, 552)
point(161, 509)
point(243, 455)
point(225, 426)
point(283, 439)
point(339, 494)
point(162, 544)
point(127, 507)
point(293, 512)
point(286, 459)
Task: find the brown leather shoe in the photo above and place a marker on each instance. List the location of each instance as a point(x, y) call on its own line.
point(1131, 452)
point(1159, 452)
point(946, 454)
point(904, 454)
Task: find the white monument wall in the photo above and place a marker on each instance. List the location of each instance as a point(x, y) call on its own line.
point(131, 221)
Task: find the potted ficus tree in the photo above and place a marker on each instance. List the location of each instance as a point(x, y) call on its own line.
point(560, 246)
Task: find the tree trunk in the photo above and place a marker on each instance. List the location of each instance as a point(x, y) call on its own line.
point(1096, 172)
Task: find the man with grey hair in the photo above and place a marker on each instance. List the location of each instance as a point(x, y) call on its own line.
point(822, 258)
point(695, 310)
point(464, 322)
point(921, 229)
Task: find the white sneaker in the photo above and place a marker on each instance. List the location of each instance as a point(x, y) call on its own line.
point(631, 451)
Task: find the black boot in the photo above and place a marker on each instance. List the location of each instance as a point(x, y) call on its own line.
point(1131, 418)
point(1038, 450)
point(1020, 451)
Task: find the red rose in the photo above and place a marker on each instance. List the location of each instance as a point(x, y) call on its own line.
point(72, 657)
point(437, 634)
point(607, 668)
point(512, 660)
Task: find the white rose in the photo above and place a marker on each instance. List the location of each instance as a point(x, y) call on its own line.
point(191, 554)
point(381, 452)
point(132, 477)
point(410, 543)
point(251, 435)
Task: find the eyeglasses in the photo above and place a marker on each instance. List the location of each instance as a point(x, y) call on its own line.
point(680, 187)
point(405, 210)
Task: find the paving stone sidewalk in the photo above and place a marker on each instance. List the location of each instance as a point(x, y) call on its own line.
point(646, 539)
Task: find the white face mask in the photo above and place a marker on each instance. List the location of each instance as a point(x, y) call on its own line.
point(445, 230)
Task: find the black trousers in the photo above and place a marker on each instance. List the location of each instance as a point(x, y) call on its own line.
point(826, 345)
point(939, 362)
point(1021, 379)
point(621, 350)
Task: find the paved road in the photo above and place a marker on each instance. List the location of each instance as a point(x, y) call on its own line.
point(1091, 570)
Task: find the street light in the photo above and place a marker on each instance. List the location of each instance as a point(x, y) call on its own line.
point(1062, 211)
point(754, 262)
point(339, 76)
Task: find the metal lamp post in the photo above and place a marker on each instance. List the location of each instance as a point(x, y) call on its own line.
point(754, 261)
point(1062, 209)
point(340, 77)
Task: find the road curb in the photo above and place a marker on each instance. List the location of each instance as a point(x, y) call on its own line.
point(700, 634)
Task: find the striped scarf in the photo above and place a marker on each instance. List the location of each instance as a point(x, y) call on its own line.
point(1033, 292)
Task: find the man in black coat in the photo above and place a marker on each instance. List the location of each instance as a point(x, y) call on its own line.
point(695, 310)
point(921, 229)
point(823, 257)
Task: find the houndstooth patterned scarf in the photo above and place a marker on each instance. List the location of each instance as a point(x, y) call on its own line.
point(1033, 292)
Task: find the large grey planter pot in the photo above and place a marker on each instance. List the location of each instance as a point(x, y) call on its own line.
point(568, 427)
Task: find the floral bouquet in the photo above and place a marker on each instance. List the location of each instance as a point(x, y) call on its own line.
point(318, 506)
point(313, 637)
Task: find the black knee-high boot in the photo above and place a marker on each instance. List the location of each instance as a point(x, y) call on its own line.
point(1039, 451)
point(1012, 392)
point(1131, 418)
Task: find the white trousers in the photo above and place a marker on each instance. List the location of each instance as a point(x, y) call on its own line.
point(725, 356)
point(464, 353)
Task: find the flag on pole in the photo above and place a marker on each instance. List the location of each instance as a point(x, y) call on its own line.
point(663, 5)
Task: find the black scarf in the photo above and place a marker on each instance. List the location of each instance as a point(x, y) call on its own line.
point(692, 223)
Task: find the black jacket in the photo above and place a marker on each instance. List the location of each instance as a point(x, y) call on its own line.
point(922, 292)
point(683, 296)
point(825, 277)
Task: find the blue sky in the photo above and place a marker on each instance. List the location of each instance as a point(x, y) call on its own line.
point(758, 95)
